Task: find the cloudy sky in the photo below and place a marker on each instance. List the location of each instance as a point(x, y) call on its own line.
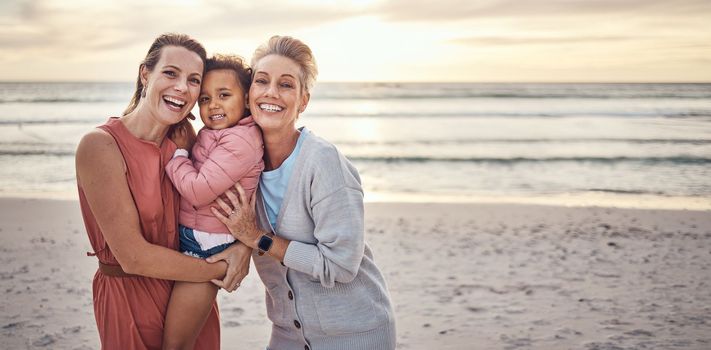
point(373, 40)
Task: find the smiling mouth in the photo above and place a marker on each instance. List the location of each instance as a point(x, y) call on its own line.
point(270, 107)
point(174, 102)
point(217, 117)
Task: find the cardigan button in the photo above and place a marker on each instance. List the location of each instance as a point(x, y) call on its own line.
point(291, 295)
point(297, 324)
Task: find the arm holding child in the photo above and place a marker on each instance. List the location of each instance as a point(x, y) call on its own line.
point(220, 159)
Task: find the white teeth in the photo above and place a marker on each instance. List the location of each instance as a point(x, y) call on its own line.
point(174, 100)
point(217, 117)
point(270, 108)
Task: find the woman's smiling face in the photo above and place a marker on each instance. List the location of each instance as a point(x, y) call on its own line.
point(173, 86)
point(276, 96)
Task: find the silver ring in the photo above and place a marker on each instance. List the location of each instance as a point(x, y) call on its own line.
point(232, 213)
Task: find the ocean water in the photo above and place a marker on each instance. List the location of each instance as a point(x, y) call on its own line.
point(560, 143)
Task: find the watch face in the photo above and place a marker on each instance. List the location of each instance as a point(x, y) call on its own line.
point(265, 242)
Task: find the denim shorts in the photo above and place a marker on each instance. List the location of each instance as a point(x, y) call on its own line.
point(190, 246)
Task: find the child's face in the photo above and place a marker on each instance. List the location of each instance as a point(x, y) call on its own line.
point(221, 99)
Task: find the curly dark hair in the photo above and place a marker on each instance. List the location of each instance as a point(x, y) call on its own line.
point(234, 63)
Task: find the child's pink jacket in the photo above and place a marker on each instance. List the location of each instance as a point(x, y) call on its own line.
point(220, 158)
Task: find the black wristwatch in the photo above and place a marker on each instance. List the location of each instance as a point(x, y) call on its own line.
point(265, 242)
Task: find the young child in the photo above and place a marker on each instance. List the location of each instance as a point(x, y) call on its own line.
point(226, 151)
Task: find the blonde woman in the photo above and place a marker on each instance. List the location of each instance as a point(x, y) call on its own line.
point(323, 289)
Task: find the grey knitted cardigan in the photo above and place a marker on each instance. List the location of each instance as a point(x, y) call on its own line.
point(328, 293)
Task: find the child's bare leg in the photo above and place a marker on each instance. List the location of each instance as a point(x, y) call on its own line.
point(189, 306)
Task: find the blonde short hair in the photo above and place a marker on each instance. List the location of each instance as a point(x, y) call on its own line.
point(293, 49)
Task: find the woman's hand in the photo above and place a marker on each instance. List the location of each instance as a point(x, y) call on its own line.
point(183, 133)
point(237, 258)
point(239, 217)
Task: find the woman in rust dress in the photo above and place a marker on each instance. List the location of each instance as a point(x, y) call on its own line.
point(130, 207)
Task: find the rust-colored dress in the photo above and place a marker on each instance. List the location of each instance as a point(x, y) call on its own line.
point(130, 311)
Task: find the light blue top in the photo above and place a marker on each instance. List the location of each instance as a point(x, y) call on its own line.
point(273, 183)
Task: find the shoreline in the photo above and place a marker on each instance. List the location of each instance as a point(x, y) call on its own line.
point(582, 200)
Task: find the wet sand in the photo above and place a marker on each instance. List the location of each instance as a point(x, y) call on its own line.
point(462, 276)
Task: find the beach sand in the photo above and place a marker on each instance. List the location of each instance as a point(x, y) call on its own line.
point(461, 276)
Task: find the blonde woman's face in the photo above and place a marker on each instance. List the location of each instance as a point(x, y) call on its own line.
point(275, 97)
